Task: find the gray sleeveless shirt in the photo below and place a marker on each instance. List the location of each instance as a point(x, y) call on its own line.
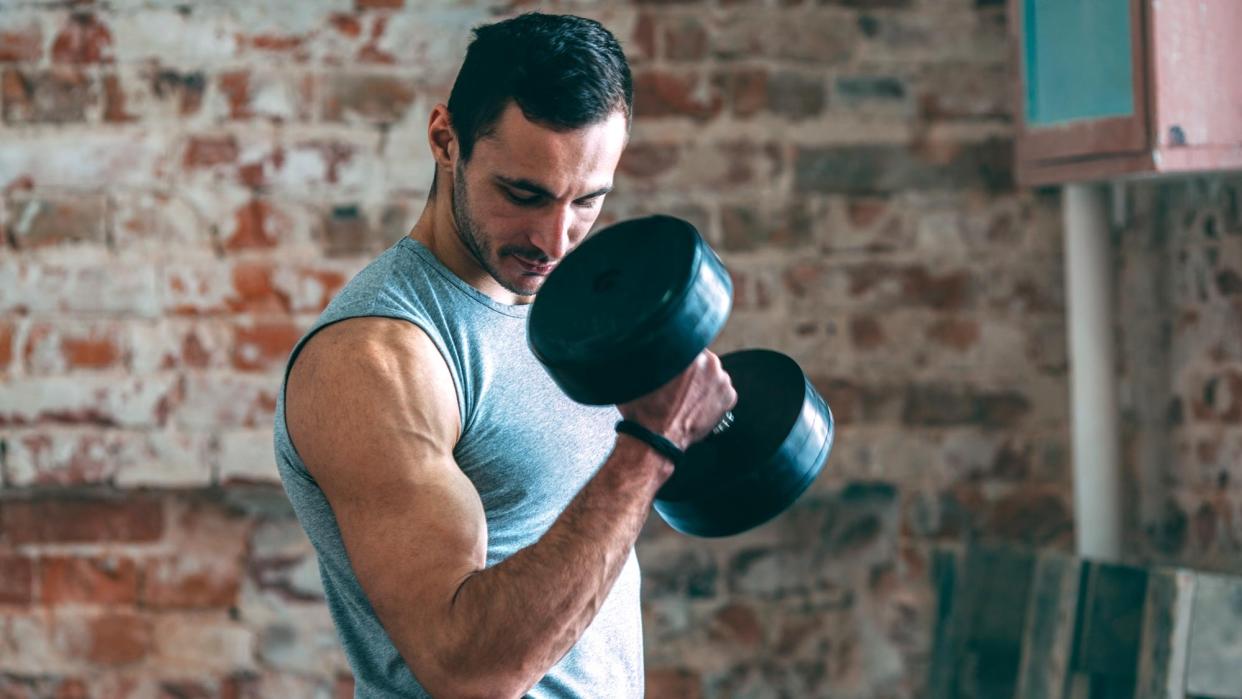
point(526, 447)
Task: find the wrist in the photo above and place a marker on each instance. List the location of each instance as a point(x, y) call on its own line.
point(662, 445)
point(659, 427)
point(641, 458)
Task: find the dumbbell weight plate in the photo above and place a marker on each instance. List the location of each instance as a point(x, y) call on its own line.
point(629, 309)
point(751, 472)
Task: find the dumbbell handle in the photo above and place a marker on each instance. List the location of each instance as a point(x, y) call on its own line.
point(725, 423)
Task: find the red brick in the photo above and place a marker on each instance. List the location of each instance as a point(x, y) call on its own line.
point(866, 332)
point(334, 155)
point(254, 227)
point(82, 39)
point(762, 226)
point(21, 43)
point(208, 151)
point(874, 169)
point(206, 569)
point(57, 347)
point(685, 39)
point(865, 211)
point(642, 45)
point(854, 402)
point(91, 352)
point(16, 579)
point(750, 292)
point(373, 99)
point(648, 159)
point(745, 90)
point(195, 689)
point(371, 52)
point(957, 333)
point(236, 88)
point(115, 638)
point(222, 288)
point(183, 581)
point(40, 521)
point(318, 287)
point(56, 96)
point(110, 580)
point(1036, 515)
point(46, 219)
point(180, 344)
point(738, 623)
point(346, 24)
point(673, 683)
point(660, 94)
point(940, 406)
point(265, 344)
point(290, 44)
point(254, 291)
point(6, 344)
point(115, 111)
point(264, 223)
point(950, 290)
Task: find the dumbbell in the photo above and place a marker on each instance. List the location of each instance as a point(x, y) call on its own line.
point(629, 310)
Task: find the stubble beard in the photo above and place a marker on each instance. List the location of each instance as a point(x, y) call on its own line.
point(478, 243)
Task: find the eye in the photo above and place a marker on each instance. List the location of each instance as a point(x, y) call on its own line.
point(589, 203)
point(522, 200)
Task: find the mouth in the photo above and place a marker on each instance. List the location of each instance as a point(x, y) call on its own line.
point(538, 268)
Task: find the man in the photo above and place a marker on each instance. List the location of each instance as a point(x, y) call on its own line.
point(474, 527)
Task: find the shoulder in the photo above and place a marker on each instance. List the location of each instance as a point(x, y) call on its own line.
point(380, 369)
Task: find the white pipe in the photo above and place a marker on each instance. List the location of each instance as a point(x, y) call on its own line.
point(1093, 377)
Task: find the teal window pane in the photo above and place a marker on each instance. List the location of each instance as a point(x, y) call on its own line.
point(1077, 60)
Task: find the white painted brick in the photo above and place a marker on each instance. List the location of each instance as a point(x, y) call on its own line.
point(247, 456)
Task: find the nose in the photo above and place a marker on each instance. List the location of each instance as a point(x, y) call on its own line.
point(553, 237)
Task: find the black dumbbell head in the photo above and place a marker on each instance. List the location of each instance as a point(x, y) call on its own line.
point(629, 309)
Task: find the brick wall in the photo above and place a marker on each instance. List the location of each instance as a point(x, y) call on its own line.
point(1180, 324)
point(186, 184)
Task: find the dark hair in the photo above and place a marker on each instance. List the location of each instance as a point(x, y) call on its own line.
point(564, 72)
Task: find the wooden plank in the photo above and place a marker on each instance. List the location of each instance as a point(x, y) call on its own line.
point(980, 616)
point(1111, 621)
point(949, 628)
point(1166, 634)
point(1215, 648)
point(1050, 621)
point(999, 582)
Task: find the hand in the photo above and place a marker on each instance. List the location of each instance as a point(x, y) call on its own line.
point(687, 408)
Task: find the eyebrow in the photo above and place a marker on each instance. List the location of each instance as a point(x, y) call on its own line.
point(535, 188)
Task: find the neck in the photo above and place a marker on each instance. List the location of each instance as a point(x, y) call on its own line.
point(437, 231)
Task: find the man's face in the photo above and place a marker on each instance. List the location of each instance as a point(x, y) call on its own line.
point(528, 195)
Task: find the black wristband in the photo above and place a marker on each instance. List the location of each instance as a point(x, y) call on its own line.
point(656, 441)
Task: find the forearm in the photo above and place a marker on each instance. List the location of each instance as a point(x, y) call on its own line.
point(511, 622)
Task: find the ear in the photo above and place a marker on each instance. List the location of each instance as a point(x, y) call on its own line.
point(442, 138)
